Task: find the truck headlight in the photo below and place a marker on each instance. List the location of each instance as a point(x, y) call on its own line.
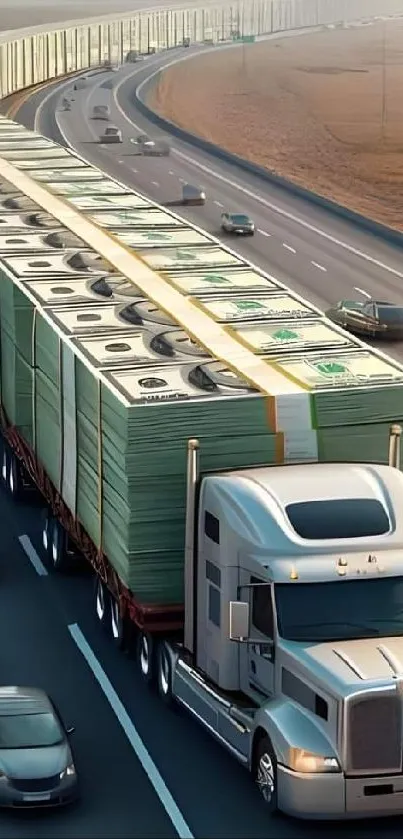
point(302, 761)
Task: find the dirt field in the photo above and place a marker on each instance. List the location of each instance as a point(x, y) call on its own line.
point(325, 110)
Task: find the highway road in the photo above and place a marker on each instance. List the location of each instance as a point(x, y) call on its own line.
point(317, 254)
point(37, 616)
point(210, 793)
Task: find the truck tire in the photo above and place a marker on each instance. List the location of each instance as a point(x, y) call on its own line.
point(145, 657)
point(117, 624)
point(57, 545)
point(46, 535)
point(11, 474)
point(265, 773)
point(164, 674)
point(4, 467)
point(102, 604)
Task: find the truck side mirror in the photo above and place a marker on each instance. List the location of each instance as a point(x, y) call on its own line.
point(238, 620)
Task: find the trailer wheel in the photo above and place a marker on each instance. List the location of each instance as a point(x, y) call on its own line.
point(265, 773)
point(102, 604)
point(164, 674)
point(58, 557)
point(4, 467)
point(145, 656)
point(117, 624)
point(11, 468)
point(46, 528)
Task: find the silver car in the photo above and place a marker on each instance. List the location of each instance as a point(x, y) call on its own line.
point(100, 112)
point(237, 223)
point(193, 195)
point(36, 762)
point(111, 135)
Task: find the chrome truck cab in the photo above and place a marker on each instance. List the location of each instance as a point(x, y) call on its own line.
point(299, 678)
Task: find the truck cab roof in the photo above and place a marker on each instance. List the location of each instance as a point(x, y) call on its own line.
point(309, 516)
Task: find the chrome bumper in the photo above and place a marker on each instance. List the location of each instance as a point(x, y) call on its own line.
point(332, 796)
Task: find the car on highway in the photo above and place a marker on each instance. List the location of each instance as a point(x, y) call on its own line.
point(112, 134)
point(131, 57)
point(140, 139)
point(155, 148)
point(193, 195)
point(100, 112)
point(36, 762)
point(237, 223)
point(369, 319)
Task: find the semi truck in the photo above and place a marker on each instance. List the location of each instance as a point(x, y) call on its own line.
point(259, 579)
point(289, 650)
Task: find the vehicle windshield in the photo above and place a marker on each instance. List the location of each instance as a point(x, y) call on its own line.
point(240, 219)
point(390, 314)
point(340, 610)
point(30, 731)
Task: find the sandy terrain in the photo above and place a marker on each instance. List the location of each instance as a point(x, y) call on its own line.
point(324, 110)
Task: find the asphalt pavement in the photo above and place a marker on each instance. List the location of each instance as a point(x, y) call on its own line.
point(317, 254)
point(212, 794)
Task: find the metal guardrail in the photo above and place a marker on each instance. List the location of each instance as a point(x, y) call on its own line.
point(31, 56)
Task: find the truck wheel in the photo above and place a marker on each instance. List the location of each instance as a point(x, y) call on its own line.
point(117, 624)
point(58, 558)
point(265, 773)
point(145, 656)
point(4, 467)
point(102, 604)
point(13, 477)
point(46, 534)
point(164, 674)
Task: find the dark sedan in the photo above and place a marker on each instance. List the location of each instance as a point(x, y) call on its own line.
point(36, 763)
point(237, 223)
point(370, 319)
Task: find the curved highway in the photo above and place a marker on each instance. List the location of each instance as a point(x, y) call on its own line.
point(309, 249)
point(211, 794)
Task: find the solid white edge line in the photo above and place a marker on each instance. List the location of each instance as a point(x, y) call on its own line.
point(32, 555)
point(158, 783)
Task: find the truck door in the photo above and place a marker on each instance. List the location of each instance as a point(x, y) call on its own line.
point(261, 653)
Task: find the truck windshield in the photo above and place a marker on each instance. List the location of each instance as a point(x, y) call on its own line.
point(340, 610)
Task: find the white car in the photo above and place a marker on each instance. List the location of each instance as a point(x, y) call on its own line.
point(111, 135)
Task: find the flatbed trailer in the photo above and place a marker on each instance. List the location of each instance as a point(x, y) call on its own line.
point(300, 719)
point(243, 714)
point(64, 540)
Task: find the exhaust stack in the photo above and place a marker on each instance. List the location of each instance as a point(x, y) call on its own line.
point(394, 446)
point(192, 478)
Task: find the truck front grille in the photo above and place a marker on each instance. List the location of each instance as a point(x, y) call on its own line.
point(374, 734)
